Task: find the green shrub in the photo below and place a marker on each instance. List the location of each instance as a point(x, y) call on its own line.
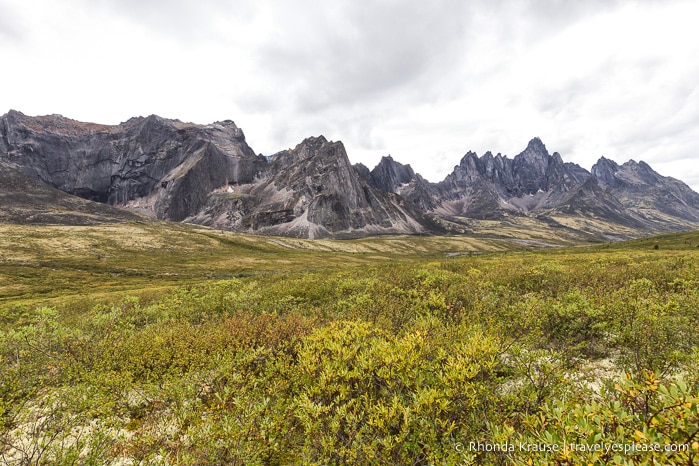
point(640, 421)
point(366, 396)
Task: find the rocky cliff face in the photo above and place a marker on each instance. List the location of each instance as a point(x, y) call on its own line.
point(394, 177)
point(26, 200)
point(164, 167)
point(589, 200)
point(489, 186)
point(390, 175)
point(310, 191)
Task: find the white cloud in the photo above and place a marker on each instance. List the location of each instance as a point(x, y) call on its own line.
point(10, 24)
point(424, 81)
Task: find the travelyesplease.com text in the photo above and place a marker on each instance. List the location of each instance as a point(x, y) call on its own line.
point(625, 448)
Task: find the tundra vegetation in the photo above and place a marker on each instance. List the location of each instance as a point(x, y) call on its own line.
point(155, 344)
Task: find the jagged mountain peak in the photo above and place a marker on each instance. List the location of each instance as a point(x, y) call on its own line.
point(535, 145)
point(315, 147)
point(389, 175)
point(388, 160)
point(470, 159)
point(640, 166)
point(310, 191)
point(536, 181)
point(630, 173)
point(605, 161)
point(535, 150)
point(605, 171)
point(640, 188)
point(535, 153)
point(314, 141)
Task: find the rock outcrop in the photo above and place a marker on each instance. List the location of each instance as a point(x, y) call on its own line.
point(653, 197)
point(310, 191)
point(392, 176)
point(490, 186)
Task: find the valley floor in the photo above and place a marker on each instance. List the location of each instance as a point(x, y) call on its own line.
point(150, 343)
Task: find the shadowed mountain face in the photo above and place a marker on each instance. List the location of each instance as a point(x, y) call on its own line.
point(26, 200)
point(209, 175)
point(652, 196)
point(488, 186)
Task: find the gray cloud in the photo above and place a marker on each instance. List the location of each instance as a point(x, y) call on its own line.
point(353, 52)
point(691, 178)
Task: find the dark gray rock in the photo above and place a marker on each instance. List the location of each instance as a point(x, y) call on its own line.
point(540, 184)
point(489, 186)
point(390, 175)
point(206, 174)
point(363, 171)
point(589, 200)
point(164, 167)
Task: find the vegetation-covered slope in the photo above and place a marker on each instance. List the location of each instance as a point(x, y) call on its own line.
point(165, 350)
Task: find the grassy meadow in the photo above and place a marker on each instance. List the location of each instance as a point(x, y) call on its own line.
point(150, 343)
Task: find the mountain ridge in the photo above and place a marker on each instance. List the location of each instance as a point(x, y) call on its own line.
point(208, 174)
point(535, 182)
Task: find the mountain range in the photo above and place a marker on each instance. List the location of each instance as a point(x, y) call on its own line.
point(57, 170)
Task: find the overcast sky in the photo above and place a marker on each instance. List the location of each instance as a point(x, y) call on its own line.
point(424, 81)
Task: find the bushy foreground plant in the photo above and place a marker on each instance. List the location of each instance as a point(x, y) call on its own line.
point(637, 421)
point(365, 396)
